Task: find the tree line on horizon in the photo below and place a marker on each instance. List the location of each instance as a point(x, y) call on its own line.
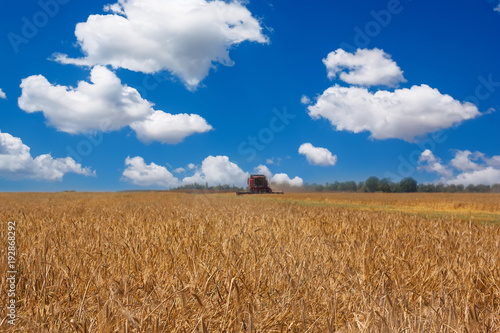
point(406, 185)
point(370, 185)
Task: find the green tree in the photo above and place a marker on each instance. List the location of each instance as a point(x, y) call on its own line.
point(318, 187)
point(385, 185)
point(351, 186)
point(407, 185)
point(372, 184)
point(429, 188)
point(470, 188)
point(483, 188)
point(335, 186)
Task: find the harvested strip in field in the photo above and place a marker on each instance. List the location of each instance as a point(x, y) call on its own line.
point(471, 207)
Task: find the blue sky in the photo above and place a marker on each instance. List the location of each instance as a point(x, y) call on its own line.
point(101, 96)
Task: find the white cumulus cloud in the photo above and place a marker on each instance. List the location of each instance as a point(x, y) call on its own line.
point(463, 160)
point(431, 163)
point(263, 170)
point(284, 179)
point(214, 170)
point(17, 163)
point(279, 178)
point(494, 161)
point(179, 170)
point(105, 104)
point(317, 155)
point(305, 100)
point(217, 170)
point(2, 94)
point(139, 173)
point(403, 114)
point(475, 168)
point(89, 106)
point(486, 176)
point(184, 37)
point(497, 8)
point(471, 168)
point(169, 128)
point(365, 67)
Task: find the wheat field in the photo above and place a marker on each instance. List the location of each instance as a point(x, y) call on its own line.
point(178, 262)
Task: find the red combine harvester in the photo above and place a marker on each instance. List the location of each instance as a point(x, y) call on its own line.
point(258, 184)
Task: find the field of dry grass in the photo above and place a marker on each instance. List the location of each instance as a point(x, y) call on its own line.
point(177, 262)
point(478, 207)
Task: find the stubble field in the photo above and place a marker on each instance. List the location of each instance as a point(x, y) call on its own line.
point(178, 262)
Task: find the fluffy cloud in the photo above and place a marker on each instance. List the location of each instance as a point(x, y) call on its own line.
point(305, 100)
point(179, 170)
point(140, 173)
point(403, 114)
point(169, 128)
point(431, 163)
point(263, 170)
point(17, 163)
point(282, 178)
point(494, 161)
point(276, 161)
point(2, 94)
point(473, 168)
point(487, 176)
point(497, 8)
point(105, 104)
point(217, 170)
point(185, 37)
point(463, 160)
point(365, 67)
point(214, 170)
point(317, 155)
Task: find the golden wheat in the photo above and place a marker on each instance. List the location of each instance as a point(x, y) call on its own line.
point(176, 262)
